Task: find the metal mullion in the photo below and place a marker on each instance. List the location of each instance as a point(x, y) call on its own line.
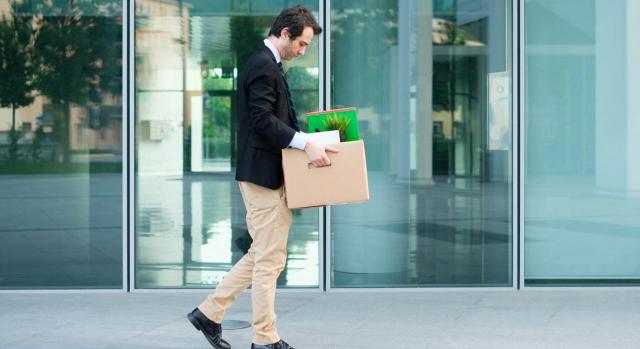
point(327, 105)
point(125, 146)
point(323, 44)
point(131, 207)
point(521, 137)
point(515, 194)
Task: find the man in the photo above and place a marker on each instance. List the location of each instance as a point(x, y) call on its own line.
point(267, 123)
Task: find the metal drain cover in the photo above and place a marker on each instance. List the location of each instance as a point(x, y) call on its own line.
point(234, 324)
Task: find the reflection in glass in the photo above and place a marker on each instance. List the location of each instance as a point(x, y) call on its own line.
point(431, 83)
point(61, 144)
point(582, 124)
point(190, 218)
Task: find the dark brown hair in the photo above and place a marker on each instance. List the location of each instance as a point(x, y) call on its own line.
point(295, 19)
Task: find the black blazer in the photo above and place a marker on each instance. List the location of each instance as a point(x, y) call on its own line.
point(266, 123)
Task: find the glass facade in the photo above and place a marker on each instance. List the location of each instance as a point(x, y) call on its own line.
point(61, 145)
point(190, 218)
point(432, 81)
point(437, 132)
point(582, 121)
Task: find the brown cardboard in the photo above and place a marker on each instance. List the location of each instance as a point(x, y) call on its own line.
point(344, 181)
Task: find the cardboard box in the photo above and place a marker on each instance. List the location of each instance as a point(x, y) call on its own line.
point(344, 181)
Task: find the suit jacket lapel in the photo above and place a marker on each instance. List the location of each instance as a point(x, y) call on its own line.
point(292, 117)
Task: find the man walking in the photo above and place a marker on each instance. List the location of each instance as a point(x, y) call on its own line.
point(267, 123)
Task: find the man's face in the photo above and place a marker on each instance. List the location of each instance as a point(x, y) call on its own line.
point(298, 46)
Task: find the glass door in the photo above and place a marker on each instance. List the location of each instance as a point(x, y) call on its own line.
point(582, 174)
point(190, 219)
point(61, 145)
point(431, 81)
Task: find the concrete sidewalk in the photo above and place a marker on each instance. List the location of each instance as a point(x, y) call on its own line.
point(314, 320)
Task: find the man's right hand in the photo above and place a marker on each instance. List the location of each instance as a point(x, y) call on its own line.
point(316, 153)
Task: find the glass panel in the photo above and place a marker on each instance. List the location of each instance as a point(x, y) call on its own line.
point(190, 218)
point(582, 125)
point(61, 144)
point(431, 83)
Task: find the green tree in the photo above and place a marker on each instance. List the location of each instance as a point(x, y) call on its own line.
point(246, 33)
point(78, 54)
point(17, 73)
point(361, 38)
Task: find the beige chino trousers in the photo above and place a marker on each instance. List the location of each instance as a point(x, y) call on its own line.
point(268, 221)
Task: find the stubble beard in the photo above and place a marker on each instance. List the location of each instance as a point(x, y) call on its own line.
point(289, 52)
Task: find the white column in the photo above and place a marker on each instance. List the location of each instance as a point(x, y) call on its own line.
point(633, 99)
point(394, 101)
point(197, 218)
point(401, 119)
point(617, 104)
point(196, 133)
point(424, 92)
point(368, 238)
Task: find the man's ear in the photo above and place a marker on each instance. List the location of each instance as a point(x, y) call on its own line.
point(284, 33)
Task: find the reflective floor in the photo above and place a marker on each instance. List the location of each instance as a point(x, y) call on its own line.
point(192, 229)
point(65, 231)
point(577, 233)
point(61, 231)
point(452, 232)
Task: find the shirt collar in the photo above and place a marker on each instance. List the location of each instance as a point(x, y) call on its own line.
point(273, 49)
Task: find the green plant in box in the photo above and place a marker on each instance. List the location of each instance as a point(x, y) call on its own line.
point(344, 120)
point(337, 122)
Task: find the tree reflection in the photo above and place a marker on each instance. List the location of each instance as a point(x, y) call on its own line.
point(69, 52)
point(17, 72)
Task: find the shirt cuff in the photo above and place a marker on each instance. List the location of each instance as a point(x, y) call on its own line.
point(299, 140)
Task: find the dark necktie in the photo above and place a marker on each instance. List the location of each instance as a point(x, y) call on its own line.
point(292, 109)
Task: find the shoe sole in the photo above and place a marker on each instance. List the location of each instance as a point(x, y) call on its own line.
point(198, 327)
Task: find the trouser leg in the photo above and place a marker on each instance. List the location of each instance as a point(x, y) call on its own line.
point(268, 220)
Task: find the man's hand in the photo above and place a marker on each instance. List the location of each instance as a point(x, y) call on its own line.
point(316, 153)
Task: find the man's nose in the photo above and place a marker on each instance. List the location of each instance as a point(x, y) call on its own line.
point(301, 51)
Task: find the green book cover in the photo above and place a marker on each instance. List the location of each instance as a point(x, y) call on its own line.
point(344, 120)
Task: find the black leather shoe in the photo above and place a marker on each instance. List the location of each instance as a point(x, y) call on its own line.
point(280, 345)
point(212, 331)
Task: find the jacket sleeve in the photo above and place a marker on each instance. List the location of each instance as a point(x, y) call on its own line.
point(262, 96)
